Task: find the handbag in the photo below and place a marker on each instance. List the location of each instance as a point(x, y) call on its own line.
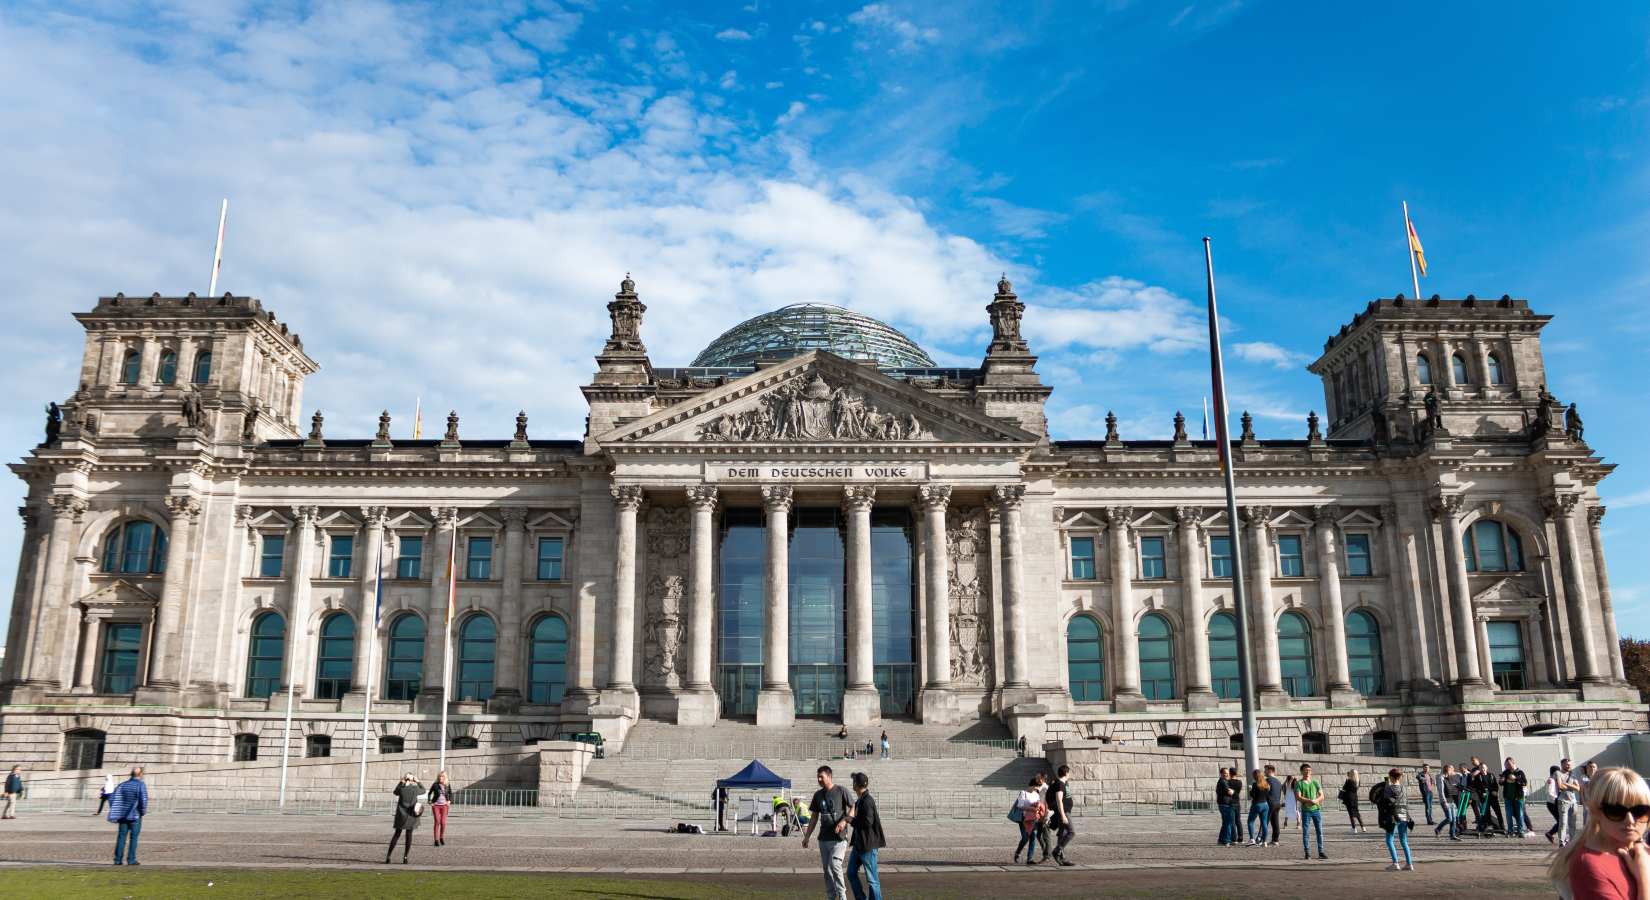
point(1016, 814)
point(418, 807)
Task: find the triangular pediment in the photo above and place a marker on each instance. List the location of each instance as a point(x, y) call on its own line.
point(1505, 590)
point(119, 594)
point(817, 398)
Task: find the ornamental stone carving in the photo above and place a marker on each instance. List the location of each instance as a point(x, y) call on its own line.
point(1008, 496)
point(814, 409)
point(934, 497)
point(664, 638)
point(967, 536)
point(702, 496)
point(776, 498)
point(859, 497)
point(627, 496)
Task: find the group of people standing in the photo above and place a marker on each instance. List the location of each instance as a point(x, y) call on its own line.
point(411, 802)
point(1274, 801)
point(1495, 799)
point(1041, 810)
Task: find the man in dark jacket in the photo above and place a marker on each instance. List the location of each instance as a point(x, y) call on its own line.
point(1424, 782)
point(867, 838)
point(127, 807)
point(13, 791)
point(1274, 802)
point(1226, 802)
point(1513, 785)
point(1059, 812)
point(1449, 790)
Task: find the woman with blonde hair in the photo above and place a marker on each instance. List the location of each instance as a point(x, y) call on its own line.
point(1608, 860)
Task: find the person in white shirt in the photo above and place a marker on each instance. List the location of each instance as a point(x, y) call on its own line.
point(103, 795)
point(1568, 791)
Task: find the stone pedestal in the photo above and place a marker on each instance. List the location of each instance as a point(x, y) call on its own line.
point(1028, 722)
point(697, 708)
point(505, 701)
point(775, 708)
point(163, 696)
point(939, 707)
point(577, 702)
point(353, 701)
point(613, 723)
point(1345, 698)
point(1473, 691)
point(861, 707)
point(1129, 701)
point(1202, 700)
point(1274, 699)
point(624, 698)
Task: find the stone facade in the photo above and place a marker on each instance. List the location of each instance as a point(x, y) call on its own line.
point(195, 558)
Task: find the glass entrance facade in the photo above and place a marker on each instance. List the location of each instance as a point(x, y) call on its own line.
point(739, 612)
point(893, 611)
point(818, 626)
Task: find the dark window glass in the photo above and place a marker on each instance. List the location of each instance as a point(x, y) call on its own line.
point(1170, 740)
point(739, 611)
point(1220, 556)
point(893, 611)
point(335, 660)
point(342, 555)
point(203, 367)
point(121, 643)
point(1234, 742)
point(1386, 743)
point(1314, 742)
point(1151, 558)
point(389, 743)
point(476, 642)
point(270, 557)
point(464, 742)
point(130, 367)
point(1223, 656)
point(406, 658)
point(318, 745)
point(135, 548)
point(1497, 374)
point(1290, 564)
point(548, 676)
point(168, 371)
point(1295, 654)
point(1460, 365)
point(550, 556)
point(83, 749)
point(478, 562)
point(1490, 546)
point(409, 557)
point(263, 659)
point(246, 748)
point(1423, 369)
point(1082, 558)
point(1506, 641)
point(818, 640)
point(1156, 658)
point(1363, 652)
point(1085, 660)
point(1357, 555)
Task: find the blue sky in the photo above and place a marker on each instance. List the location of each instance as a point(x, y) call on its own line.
point(441, 202)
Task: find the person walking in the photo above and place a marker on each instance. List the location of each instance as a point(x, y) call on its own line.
point(12, 793)
point(128, 804)
point(1309, 794)
point(1274, 802)
point(1043, 827)
point(1029, 806)
point(885, 744)
point(1449, 793)
point(1260, 790)
point(1392, 813)
point(866, 840)
point(104, 792)
point(1059, 813)
point(830, 810)
point(1608, 861)
point(1423, 780)
point(1349, 799)
point(1513, 784)
point(409, 807)
point(441, 800)
point(1569, 797)
point(1226, 798)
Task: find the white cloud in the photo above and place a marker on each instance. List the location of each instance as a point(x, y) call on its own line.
point(774, 84)
point(733, 34)
point(550, 30)
point(907, 35)
point(1116, 314)
point(791, 113)
point(1269, 354)
point(1628, 501)
point(729, 80)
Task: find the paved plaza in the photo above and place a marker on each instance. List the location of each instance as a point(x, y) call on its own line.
point(1116, 855)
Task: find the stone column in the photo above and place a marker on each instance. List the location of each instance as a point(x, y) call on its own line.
point(1481, 634)
point(508, 672)
point(621, 671)
point(1563, 510)
point(367, 655)
point(697, 704)
point(33, 665)
point(441, 553)
point(1119, 553)
point(1448, 509)
point(939, 704)
point(1199, 695)
point(85, 679)
point(775, 705)
point(861, 705)
point(1538, 652)
point(1263, 623)
point(1009, 500)
point(1595, 515)
point(297, 620)
point(1334, 611)
point(166, 663)
point(1405, 591)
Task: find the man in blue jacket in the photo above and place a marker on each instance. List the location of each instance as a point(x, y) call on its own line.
point(127, 806)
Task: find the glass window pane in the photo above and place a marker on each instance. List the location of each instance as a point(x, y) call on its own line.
point(477, 638)
point(168, 372)
point(1151, 558)
point(550, 555)
point(131, 367)
point(547, 679)
point(342, 555)
point(111, 552)
point(1156, 658)
point(137, 548)
point(1423, 369)
point(1085, 653)
point(1289, 556)
point(1220, 556)
point(1082, 558)
point(1460, 365)
point(1357, 555)
point(479, 565)
point(1496, 376)
point(1486, 538)
point(1295, 654)
point(263, 663)
point(409, 557)
point(1515, 551)
point(203, 367)
point(270, 557)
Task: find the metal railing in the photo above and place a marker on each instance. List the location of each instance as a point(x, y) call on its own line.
point(816, 749)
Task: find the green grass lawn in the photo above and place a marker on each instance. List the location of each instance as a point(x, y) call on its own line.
point(224, 884)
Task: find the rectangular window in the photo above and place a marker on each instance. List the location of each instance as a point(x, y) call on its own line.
point(1290, 564)
point(1082, 558)
point(1357, 556)
point(409, 557)
point(341, 555)
point(1506, 654)
point(121, 642)
point(270, 556)
point(550, 550)
point(1151, 558)
point(1220, 556)
point(478, 565)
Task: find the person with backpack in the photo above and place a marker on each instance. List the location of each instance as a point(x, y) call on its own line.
point(1513, 784)
point(1392, 813)
point(1309, 794)
point(1260, 793)
point(1349, 799)
point(409, 806)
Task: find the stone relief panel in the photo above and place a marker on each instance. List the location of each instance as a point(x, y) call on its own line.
point(968, 535)
point(811, 408)
point(663, 633)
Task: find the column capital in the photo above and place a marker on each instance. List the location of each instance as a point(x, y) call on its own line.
point(375, 516)
point(1327, 516)
point(306, 515)
point(69, 506)
point(1560, 504)
point(1189, 516)
point(1119, 516)
point(1257, 516)
point(515, 517)
point(30, 516)
point(1595, 515)
point(183, 507)
point(1389, 513)
point(446, 517)
point(243, 514)
point(703, 497)
point(1008, 496)
point(859, 497)
point(1447, 506)
point(934, 497)
point(627, 496)
point(776, 498)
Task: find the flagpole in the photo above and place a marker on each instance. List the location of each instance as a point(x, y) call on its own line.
point(418, 416)
point(1205, 417)
point(1217, 375)
point(286, 739)
point(371, 637)
point(1409, 245)
point(447, 651)
point(217, 251)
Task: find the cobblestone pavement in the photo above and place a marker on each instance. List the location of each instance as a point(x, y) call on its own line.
point(935, 858)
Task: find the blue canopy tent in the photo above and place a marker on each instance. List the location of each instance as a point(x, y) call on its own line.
point(752, 777)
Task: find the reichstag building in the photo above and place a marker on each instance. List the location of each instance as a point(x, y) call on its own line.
point(811, 520)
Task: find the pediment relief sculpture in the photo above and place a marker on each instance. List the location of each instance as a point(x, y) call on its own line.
point(815, 409)
point(120, 594)
point(1506, 590)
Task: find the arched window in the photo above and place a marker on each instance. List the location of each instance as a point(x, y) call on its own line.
point(130, 366)
point(476, 641)
point(464, 742)
point(1490, 546)
point(1223, 656)
point(1085, 660)
point(1498, 375)
point(389, 743)
point(548, 676)
point(203, 367)
point(263, 658)
point(1385, 743)
point(1423, 369)
point(405, 666)
point(83, 749)
point(168, 371)
point(1156, 658)
point(1295, 654)
point(136, 547)
point(246, 748)
point(1458, 365)
point(1363, 652)
point(318, 745)
point(335, 661)
point(1314, 742)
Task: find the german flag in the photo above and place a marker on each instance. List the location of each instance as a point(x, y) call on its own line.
point(1415, 247)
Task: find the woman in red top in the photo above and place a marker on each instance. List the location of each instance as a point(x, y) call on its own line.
point(1609, 861)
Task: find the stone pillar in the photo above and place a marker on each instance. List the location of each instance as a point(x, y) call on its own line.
point(367, 655)
point(1538, 652)
point(442, 557)
point(1562, 507)
point(1595, 515)
point(775, 705)
point(84, 681)
point(166, 662)
point(1127, 695)
point(1199, 695)
point(1009, 500)
point(33, 666)
point(1405, 590)
point(939, 704)
point(1263, 622)
point(621, 671)
point(1481, 635)
point(508, 672)
point(1468, 674)
point(1334, 611)
point(297, 620)
point(697, 704)
point(861, 705)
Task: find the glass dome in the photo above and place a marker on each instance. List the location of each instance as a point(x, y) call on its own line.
point(800, 327)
